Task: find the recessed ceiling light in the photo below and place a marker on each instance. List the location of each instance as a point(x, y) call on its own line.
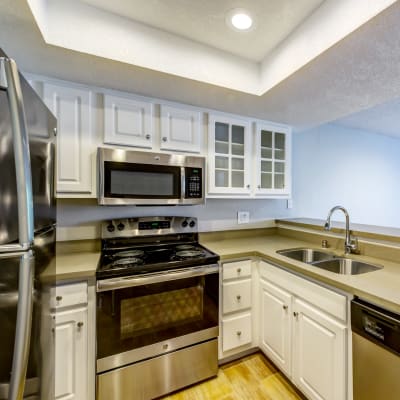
point(239, 19)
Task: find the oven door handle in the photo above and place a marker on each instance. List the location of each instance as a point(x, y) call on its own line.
point(148, 279)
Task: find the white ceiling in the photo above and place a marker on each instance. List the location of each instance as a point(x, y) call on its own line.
point(383, 118)
point(359, 72)
point(203, 21)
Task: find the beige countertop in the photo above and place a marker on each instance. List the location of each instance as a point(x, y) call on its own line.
point(381, 287)
point(79, 265)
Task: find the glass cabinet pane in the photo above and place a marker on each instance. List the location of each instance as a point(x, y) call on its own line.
point(279, 146)
point(266, 139)
point(238, 163)
point(237, 179)
point(237, 140)
point(279, 180)
point(266, 166)
point(221, 132)
point(222, 162)
point(221, 178)
point(266, 180)
point(280, 167)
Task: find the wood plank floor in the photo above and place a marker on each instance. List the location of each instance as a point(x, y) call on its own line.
point(250, 378)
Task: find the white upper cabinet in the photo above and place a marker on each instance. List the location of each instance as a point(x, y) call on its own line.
point(229, 153)
point(272, 169)
point(180, 129)
point(75, 145)
point(128, 121)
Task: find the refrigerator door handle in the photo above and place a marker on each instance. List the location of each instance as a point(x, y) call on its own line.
point(10, 80)
point(24, 326)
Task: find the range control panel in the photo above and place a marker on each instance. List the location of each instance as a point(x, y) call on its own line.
point(147, 226)
point(193, 183)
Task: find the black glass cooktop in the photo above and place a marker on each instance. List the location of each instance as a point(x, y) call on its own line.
point(121, 258)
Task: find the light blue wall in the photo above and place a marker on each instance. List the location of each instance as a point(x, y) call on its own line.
point(336, 165)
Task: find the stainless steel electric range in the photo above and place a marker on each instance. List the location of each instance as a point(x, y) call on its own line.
point(157, 308)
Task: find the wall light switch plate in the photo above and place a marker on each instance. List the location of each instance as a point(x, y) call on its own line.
point(243, 217)
point(289, 203)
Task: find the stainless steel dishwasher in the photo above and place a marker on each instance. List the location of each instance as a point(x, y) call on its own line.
point(376, 352)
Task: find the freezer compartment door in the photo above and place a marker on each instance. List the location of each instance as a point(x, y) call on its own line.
point(19, 322)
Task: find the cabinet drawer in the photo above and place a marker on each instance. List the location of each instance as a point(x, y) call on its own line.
point(68, 295)
point(236, 269)
point(236, 296)
point(236, 332)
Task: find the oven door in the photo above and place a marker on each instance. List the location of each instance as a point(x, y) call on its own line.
point(140, 317)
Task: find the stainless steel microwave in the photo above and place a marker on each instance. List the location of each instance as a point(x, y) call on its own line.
point(142, 178)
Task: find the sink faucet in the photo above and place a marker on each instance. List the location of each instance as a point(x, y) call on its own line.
point(350, 245)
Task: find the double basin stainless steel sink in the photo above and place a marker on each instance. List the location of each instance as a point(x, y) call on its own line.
point(329, 261)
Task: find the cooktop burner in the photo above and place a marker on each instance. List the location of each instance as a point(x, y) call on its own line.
point(142, 252)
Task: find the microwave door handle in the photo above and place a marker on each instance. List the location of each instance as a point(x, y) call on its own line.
point(23, 326)
point(183, 183)
point(9, 78)
point(131, 281)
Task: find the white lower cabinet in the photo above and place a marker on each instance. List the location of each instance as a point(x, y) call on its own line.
point(319, 353)
point(275, 329)
point(304, 331)
point(73, 343)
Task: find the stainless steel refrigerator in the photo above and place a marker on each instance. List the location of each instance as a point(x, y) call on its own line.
point(27, 234)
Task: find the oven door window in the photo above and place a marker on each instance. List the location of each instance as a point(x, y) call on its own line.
point(141, 181)
point(139, 316)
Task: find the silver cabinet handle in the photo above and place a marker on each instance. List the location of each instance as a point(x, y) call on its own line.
point(259, 187)
point(285, 307)
point(248, 186)
point(239, 270)
point(9, 71)
point(79, 324)
point(165, 346)
point(238, 297)
point(295, 314)
point(58, 298)
point(238, 333)
point(148, 136)
point(164, 139)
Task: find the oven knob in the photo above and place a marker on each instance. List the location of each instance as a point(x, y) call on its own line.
point(184, 224)
point(192, 224)
point(120, 226)
point(111, 228)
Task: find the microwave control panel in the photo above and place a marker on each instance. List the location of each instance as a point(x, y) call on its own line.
point(193, 183)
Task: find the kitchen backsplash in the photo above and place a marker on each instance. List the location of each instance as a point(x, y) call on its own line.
point(80, 218)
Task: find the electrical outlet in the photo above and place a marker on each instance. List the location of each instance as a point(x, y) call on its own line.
point(289, 203)
point(243, 217)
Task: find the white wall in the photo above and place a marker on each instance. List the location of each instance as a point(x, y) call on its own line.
point(356, 169)
point(80, 219)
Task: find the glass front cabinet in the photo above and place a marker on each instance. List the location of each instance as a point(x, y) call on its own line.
point(229, 160)
point(248, 159)
point(271, 161)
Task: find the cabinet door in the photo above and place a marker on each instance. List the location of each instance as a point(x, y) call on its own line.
point(229, 156)
point(75, 148)
point(128, 121)
point(180, 129)
point(319, 353)
point(272, 158)
point(275, 329)
point(71, 380)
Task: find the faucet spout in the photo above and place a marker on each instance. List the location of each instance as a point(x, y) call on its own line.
point(350, 246)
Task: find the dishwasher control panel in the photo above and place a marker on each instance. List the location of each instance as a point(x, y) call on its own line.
point(376, 324)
